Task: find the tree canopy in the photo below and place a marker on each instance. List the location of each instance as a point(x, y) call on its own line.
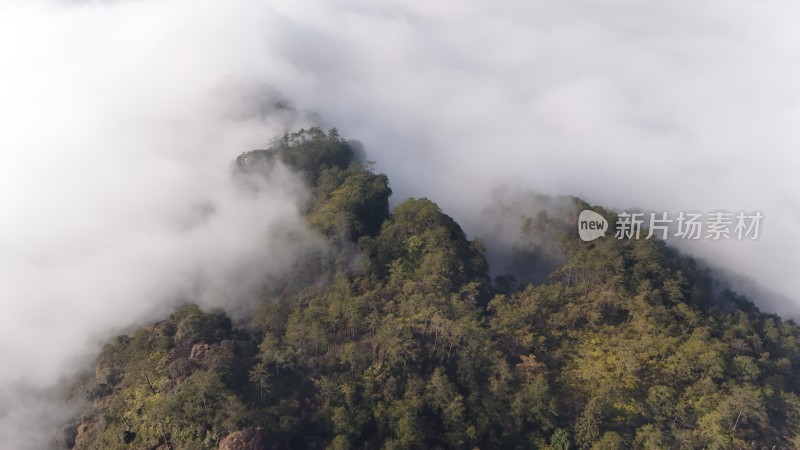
point(624, 344)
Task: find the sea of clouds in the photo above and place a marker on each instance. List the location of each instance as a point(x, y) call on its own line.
point(118, 121)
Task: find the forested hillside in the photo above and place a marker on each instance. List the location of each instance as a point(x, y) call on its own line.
point(398, 338)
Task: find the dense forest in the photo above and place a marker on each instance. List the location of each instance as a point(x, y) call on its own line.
point(397, 337)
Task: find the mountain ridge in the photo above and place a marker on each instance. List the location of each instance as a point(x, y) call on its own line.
point(411, 344)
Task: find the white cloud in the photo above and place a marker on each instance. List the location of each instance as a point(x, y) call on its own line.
point(665, 106)
point(119, 120)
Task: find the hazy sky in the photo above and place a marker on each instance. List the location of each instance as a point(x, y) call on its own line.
point(118, 120)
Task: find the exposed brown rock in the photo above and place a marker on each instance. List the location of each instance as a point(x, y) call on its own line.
point(199, 351)
point(82, 431)
point(249, 439)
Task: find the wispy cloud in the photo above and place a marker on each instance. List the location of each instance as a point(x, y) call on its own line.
point(119, 120)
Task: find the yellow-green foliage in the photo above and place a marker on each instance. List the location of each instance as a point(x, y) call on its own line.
point(620, 344)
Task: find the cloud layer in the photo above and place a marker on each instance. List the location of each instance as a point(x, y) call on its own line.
point(666, 107)
point(119, 120)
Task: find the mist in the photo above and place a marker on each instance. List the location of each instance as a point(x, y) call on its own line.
point(120, 118)
point(663, 107)
point(120, 123)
